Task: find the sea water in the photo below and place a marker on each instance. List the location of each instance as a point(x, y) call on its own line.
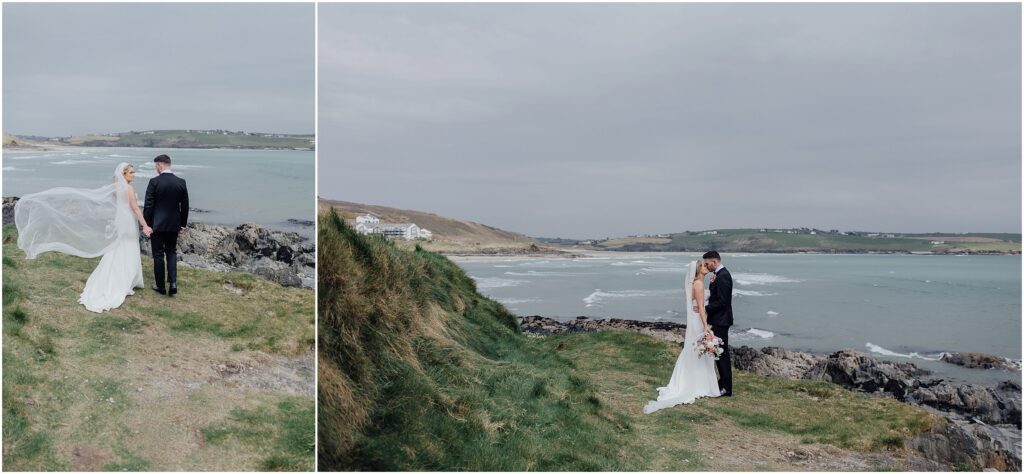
point(908, 308)
point(267, 187)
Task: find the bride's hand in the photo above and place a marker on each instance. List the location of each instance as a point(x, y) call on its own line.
point(147, 230)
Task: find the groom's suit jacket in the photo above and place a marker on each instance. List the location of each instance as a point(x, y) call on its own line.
point(166, 207)
point(719, 307)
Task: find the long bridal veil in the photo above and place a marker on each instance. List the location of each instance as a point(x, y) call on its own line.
point(81, 222)
point(693, 376)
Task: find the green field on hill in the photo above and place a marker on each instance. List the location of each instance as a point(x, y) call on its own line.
point(193, 139)
point(753, 240)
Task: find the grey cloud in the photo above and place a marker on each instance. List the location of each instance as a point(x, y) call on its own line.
point(83, 68)
point(594, 120)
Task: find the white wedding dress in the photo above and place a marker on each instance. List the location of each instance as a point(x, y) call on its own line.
point(87, 223)
point(693, 376)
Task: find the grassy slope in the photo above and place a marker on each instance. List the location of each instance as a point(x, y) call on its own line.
point(751, 240)
point(418, 371)
point(449, 234)
point(136, 388)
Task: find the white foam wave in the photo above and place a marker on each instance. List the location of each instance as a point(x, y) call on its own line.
point(515, 300)
point(747, 279)
point(533, 273)
point(761, 333)
point(913, 355)
point(598, 297)
point(739, 292)
point(772, 313)
point(29, 157)
point(494, 282)
point(665, 269)
point(76, 162)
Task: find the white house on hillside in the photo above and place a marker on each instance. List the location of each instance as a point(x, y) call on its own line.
point(367, 219)
point(367, 224)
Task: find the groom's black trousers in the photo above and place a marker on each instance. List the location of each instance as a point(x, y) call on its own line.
point(165, 245)
point(724, 363)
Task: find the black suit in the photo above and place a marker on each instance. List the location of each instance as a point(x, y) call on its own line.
point(719, 309)
point(166, 211)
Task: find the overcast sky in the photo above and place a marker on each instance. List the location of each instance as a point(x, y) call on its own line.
point(608, 120)
point(91, 68)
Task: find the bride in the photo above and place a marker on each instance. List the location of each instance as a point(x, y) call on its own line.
point(89, 223)
point(694, 376)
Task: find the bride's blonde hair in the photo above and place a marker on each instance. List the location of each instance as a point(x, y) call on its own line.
point(697, 275)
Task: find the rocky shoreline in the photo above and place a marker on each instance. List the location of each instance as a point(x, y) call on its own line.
point(286, 258)
point(983, 428)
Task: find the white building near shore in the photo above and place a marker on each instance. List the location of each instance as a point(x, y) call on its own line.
point(368, 224)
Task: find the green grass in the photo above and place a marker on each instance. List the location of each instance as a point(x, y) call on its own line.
point(76, 380)
point(418, 371)
point(280, 431)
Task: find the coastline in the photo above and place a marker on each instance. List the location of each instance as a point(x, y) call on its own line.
point(983, 422)
point(285, 258)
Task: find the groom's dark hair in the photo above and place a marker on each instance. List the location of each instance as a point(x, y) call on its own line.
point(162, 159)
point(712, 254)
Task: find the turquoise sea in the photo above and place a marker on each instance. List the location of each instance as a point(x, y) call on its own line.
point(267, 187)
point(897, 307)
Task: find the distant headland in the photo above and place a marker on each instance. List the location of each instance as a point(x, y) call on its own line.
point(187, 138)
point(455, 237)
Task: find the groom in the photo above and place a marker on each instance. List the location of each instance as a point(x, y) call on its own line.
point(719, 309)
point(166, 211)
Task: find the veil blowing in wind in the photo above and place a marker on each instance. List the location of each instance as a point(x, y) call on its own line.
point(88, 223)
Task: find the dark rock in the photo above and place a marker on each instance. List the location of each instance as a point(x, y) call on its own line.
point(301, 222)
point(283, 257)
point(8, 217)
point(977, 360)
point(774, 361)
point(972, 445)
point(542, 326)
point(1000, 405)
point(855, 370)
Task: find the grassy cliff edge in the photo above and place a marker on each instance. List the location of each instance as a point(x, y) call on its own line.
point(418, 371)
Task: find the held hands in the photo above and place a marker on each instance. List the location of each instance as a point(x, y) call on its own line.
point(147, 230)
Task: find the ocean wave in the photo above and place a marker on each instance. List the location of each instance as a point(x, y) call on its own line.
point(532, 273)
point(598, 297)
point(22, 157)
point(772, 313)
point(633, 263)
point(665, 269)
point(913, 355)
point(14, 168)
point(748, 279)
point(739, 292)
point(494, 282)
point(508, 301)
point(761, 333)
point(76, 162)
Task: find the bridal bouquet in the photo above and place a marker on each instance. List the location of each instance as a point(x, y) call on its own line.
point(710, 345)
